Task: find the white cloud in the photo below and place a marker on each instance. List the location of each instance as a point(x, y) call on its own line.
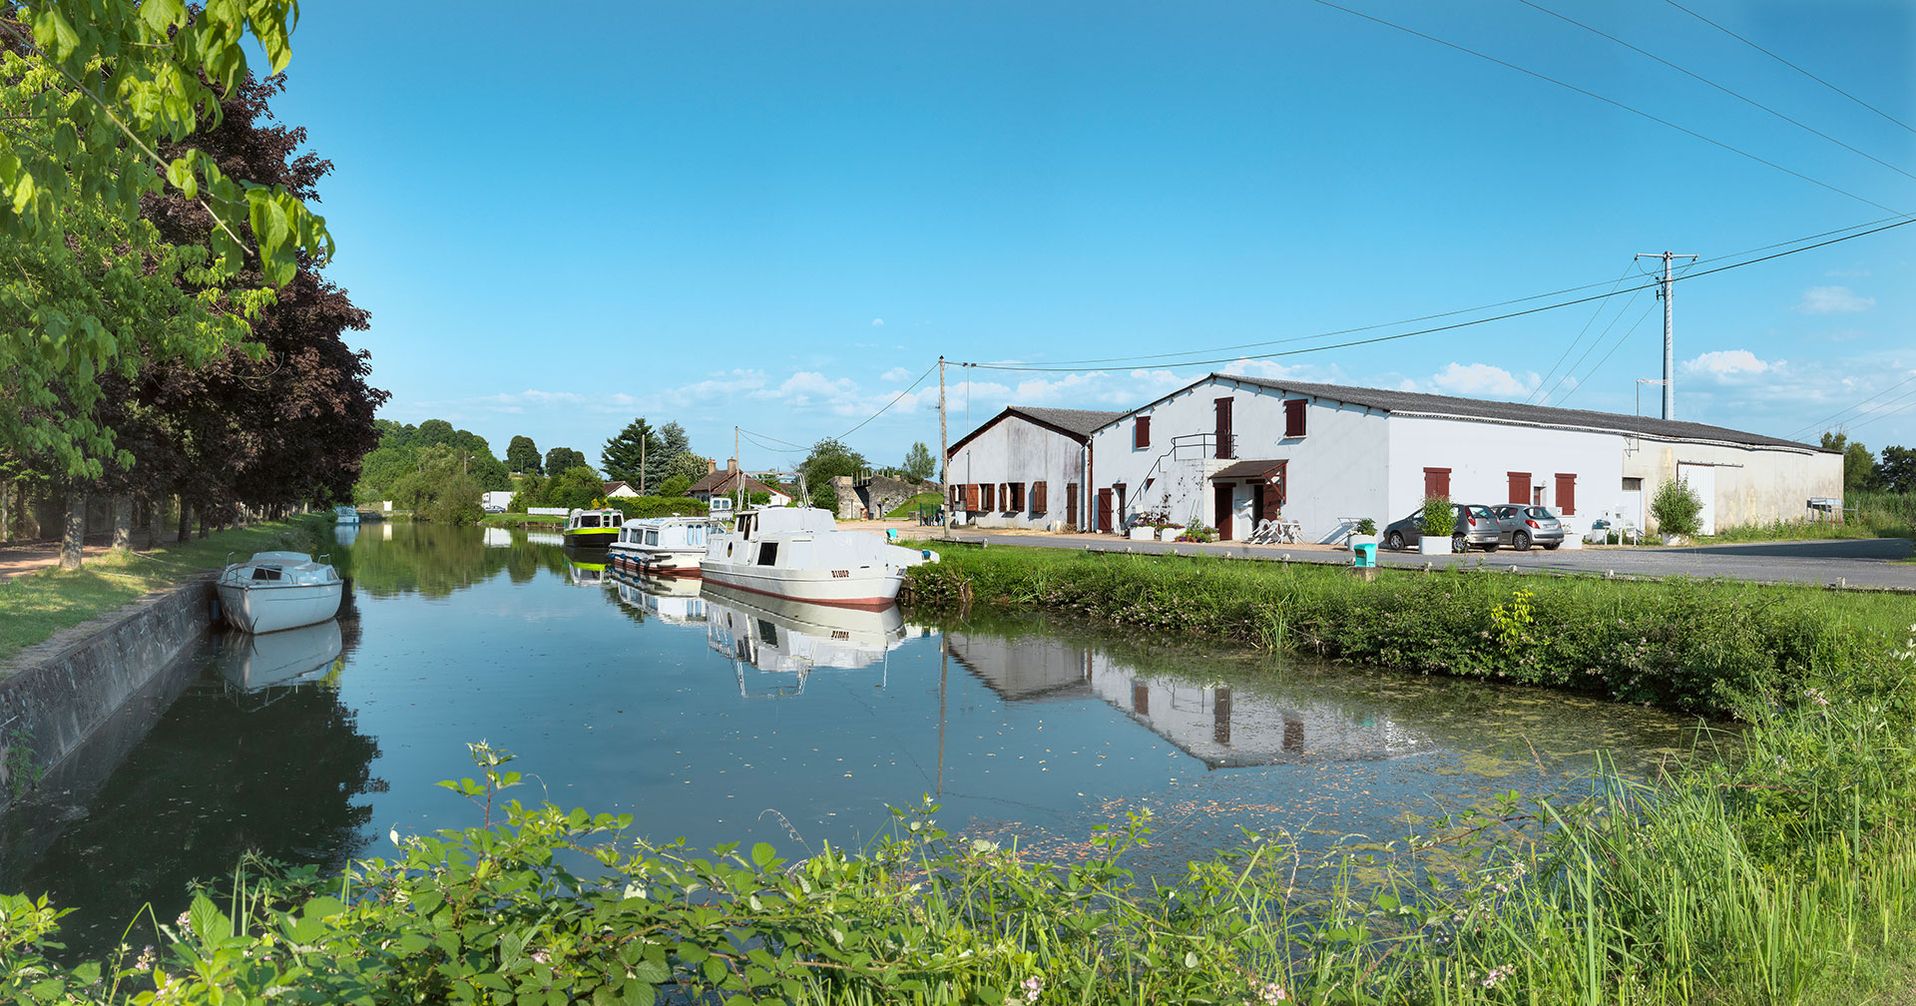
point(1728, 363)
point(1483, 379)
point(1834, 300)
point(895, 375)
point(878, 323)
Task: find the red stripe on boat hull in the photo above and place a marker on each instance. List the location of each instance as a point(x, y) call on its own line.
point(860, 603)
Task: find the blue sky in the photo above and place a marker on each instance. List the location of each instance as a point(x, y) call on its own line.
point(777, 215)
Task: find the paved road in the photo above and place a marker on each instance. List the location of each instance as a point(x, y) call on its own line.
point(1868, 562)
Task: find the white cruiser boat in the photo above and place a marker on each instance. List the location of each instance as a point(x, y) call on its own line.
point(660, 546)
point(592, 528)
point(343, 514)
point(278, 590)
point(800, 554)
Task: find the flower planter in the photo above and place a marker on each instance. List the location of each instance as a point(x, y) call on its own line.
point(1169, 533)
point(1144, 534)
point(1433, 545)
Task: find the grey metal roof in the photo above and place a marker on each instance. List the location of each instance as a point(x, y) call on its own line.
point(1418, 403)
point(1079, 421)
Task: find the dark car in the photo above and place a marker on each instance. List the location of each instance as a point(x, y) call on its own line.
point(1523, 526)
point(1476, 526)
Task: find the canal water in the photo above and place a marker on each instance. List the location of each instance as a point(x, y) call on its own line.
point(730, 718)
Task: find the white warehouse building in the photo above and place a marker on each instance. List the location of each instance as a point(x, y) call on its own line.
point(1025, 467)
point(1228, 451)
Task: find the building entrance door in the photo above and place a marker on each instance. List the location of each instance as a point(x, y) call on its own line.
point(1104, 510)
point(1222, 504)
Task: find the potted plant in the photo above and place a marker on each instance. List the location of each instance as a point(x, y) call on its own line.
point(1365, 533)
point(1677, 510)
point(1440, 522)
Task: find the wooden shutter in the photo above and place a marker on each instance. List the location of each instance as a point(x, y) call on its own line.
point(1437, 482)
point(971, 497)
point(1071, 503)
point(1039, 501)
point(1141, 432)
point(1567, 493)
point(1520, 488)
point(1004, 496)
point(985, 497)
point(1223, 408)
point(1294, 417)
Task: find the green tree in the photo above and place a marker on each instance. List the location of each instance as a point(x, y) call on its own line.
point(688, 465)
point(1859, 465)
point(828, 459)
point(1898, 470)
point(561, 459)
point(1676, 508)
point(522, 456)
point(638, 444)
point(575, 488)
point(919, 463)
point(675, 485)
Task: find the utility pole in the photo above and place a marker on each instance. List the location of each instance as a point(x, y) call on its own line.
point(1664, 290)
point(642, 440)
point(942, 475)
point(738, 485)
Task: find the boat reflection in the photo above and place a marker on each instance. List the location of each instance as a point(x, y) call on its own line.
point(580, 571)
point(674, 600)
point(268, 663)
point(1221, 726)
point(789, 639)
point(346, 534)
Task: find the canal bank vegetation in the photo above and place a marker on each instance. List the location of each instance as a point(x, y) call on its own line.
point(34, 606)
point(1682, 644)
point(1786, 874)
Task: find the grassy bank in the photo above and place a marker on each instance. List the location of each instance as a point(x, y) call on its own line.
point(536, 520)
point(1689, 645)
point(34, 606)
point(908, 510)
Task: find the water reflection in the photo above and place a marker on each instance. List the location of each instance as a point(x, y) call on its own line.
point(640, 696)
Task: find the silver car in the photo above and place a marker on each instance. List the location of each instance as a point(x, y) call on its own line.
point(1523, 526)
point(1476, 528)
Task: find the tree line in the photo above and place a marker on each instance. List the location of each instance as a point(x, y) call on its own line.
point(1894, 470)
point(168, 339)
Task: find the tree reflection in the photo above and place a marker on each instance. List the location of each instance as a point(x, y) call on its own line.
point(429, 559)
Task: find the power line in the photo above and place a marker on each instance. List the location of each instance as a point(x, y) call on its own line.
point(792, 448)
point(1903, 222)
point(1143, 359)
point(1606, 100)
point(1832, 417)
point(1791, 65)
point(1752, 102)
point(1886, 411)
point(1594, 315)
point(1621, 339)
point(894, 401)
point(1544, 399)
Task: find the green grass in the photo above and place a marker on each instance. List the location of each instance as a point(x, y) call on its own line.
point(34, 606)
point(1683, 644)
point(1876, 515)
point(909, 509)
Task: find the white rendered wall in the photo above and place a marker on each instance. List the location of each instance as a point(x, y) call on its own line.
point(1481, 456)
point(1753, 485)
point(1015, 449)
point(1336, 469)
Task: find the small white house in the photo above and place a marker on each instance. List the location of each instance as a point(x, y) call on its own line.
point(1025, 467)
point(619, 490)
point(1229, 451)
point(728, 481)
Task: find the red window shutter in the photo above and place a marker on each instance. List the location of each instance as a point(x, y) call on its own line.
point(1223, 433)
point(1567, 493)
point(1437, 482)
point(1294, 418)
point(1519, 488)
point(971, 496)
point(1039, 504)
point(985, 491)
point(1141, 432)
point(1283, 482)
point(1071, 503)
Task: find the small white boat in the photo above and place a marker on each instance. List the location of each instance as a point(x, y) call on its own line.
point(343, 514)
point(592, 528)
point(660, 546)
point(278, 590)
point(800, 554)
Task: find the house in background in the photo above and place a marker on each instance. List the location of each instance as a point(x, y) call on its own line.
point(717, 482)
point(1228, 451)
point(1025, 467)
point(619, 490)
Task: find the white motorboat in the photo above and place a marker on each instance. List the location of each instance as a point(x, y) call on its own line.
point(592, 528)
point(278, 590)
point(343, 514)
point(293, 657)
point(660, 546)
point(799, 553)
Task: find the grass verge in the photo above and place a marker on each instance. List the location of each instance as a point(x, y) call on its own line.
point(1683, 644)
point(909, 509)
point(524, 520)
point(34, 606)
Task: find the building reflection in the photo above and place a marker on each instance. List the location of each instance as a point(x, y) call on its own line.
point(1218, 724)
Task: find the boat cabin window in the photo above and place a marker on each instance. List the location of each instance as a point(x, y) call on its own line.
point(746, 524)
point(265, 573)
point(651, 537)
point(767, 632)
point(768, 554)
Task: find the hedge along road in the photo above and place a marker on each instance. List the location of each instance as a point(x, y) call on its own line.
point(1874, 563)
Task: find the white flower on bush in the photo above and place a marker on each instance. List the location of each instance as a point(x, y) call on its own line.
point(1271, 993)
point(1497, 976)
